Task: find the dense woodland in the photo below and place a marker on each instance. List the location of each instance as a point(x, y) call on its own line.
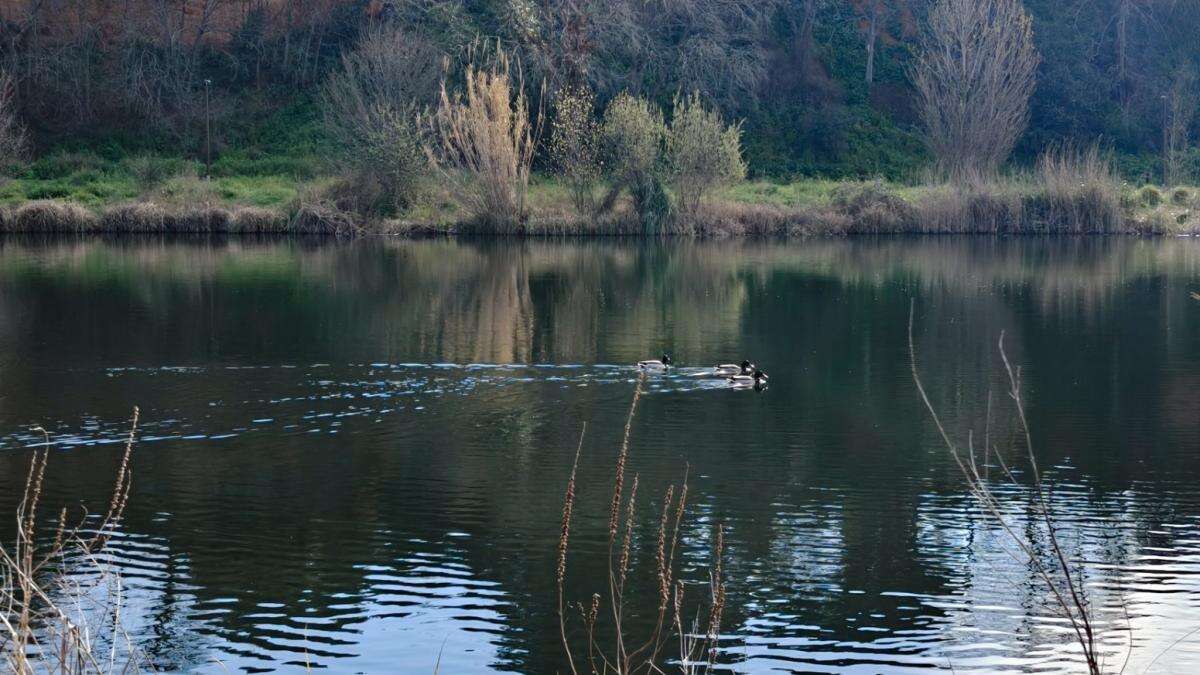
point(823, 86)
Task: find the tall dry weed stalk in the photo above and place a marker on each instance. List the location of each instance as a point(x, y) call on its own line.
point(629, 653)
point(38, 630)
point(483, 139)
point(1051, 568)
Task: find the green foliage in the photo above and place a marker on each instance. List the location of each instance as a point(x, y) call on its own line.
point(632, 134)
point(653, 204)
point(151, 170)
point(1150, 196)
point(575, 145)
point(702, 152)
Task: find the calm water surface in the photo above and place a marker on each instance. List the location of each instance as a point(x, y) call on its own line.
point(353, 453)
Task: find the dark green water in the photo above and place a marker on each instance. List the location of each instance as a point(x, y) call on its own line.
point(354, 453)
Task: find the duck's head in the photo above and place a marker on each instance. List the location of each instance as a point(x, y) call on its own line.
point(747, 367)
point(666, 359)
point(760, 376)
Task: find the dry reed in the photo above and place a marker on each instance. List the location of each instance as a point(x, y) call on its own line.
point(627, 655)
point(37, 632)
point(484, 141)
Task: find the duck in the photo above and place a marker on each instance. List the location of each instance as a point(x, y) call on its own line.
point(656, 364)
point(731, 369)
point(757, 379)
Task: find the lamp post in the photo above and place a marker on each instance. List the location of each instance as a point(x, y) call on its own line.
point(207, 130)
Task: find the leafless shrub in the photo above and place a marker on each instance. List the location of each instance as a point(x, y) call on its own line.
point(697, 637)
point(1052, 568)
point(702, 151)
point(319, 217)
point(39, 630)
point(370, 106)
point(483, 139)
point(575, 145)
point(974, 76)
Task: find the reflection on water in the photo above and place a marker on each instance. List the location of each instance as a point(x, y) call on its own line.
point(353, 452)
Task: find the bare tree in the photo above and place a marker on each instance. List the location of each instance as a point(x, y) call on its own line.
point(974, 76)
point(873, 18)
point(370, 106)
point(1179, 111)
point(12, 132)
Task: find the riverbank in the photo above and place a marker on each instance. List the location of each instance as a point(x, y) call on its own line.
point(123, 198)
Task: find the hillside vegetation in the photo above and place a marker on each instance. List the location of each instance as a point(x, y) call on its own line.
point(519, 116)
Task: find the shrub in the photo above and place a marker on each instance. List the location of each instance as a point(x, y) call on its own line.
point(632, 137)
point(370, 106)
point(1150, 196)
point(872, 207)
point(574, 146)
point(702, 152)
point(151, 170)
point(63, 164)
point(1181, 196)
point(484, 141)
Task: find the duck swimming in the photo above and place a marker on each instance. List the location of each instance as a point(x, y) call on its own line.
point(728, 370)
point(757, 379)
point(655, 364)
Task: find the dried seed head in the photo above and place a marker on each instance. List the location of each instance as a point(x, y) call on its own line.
point(614, 514)
point(660, 554)
point(627, 542)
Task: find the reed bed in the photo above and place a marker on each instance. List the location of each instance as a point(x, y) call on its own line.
point(45, 621)
point(602, 623)
point(148, 217)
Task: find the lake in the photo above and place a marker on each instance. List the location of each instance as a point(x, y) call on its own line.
point(353, 454)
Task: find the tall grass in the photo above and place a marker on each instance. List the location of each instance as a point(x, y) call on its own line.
point(1079, 189)
point(610, 645)
point(483, 140)
point(43, 624)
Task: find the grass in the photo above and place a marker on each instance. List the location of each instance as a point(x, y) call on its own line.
point(79, 191)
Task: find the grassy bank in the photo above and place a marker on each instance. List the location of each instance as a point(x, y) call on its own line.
point(78, 193)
